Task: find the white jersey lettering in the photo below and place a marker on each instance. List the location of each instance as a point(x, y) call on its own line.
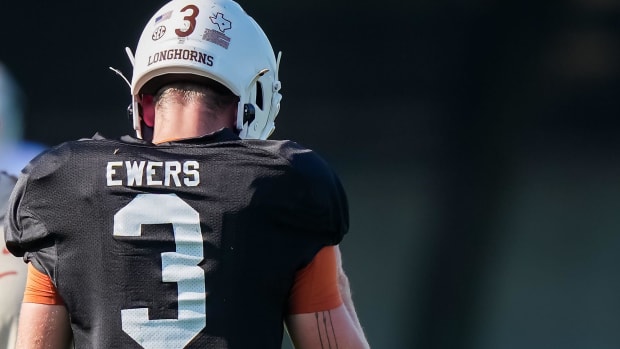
point(153, 173)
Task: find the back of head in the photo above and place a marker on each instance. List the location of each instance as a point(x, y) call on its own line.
point(211, 42)
point(185, 93)
point(11, 127)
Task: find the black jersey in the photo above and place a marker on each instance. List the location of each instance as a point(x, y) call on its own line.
point(190, 244)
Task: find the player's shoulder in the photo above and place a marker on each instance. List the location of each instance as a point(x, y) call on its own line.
point(302, 160)
point(295, 153)
point(298, 156)
point(65, 153)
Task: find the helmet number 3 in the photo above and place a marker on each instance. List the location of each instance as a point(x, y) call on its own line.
point(191, 20)
point(180, 266)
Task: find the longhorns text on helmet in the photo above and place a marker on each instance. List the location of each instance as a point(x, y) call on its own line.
point(217, 40)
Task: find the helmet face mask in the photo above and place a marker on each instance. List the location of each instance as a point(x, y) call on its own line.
point(209, 41)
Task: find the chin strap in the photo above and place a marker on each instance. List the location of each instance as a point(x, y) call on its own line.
point(119, 73)
point(132, 59)
point(135, 108)
point(276, 98)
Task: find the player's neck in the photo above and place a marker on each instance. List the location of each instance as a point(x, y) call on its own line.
point(182, 123)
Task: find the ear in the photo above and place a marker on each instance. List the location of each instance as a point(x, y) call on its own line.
point(232, 116)
point(148, 110)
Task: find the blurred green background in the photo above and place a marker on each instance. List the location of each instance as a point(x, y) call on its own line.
point(477, 141)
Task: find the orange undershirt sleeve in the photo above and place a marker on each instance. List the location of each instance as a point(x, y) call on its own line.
point(40, 289)
point(316, 286)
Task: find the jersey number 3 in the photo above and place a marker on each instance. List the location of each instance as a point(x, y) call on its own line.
point(180, 267)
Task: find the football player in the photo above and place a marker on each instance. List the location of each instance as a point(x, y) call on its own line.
point(199, 232)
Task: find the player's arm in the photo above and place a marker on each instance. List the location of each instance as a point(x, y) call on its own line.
point(43, 321)
point(331, 323)
point(332, 328)
point(43, 326)
point(345, 292)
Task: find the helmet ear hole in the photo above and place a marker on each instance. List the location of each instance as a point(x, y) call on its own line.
point(130, 113)
point(249, 113)
point(259, 95)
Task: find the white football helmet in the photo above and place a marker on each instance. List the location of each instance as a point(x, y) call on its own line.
point(213, 39)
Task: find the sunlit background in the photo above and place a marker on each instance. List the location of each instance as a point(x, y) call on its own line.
point(478, 141)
